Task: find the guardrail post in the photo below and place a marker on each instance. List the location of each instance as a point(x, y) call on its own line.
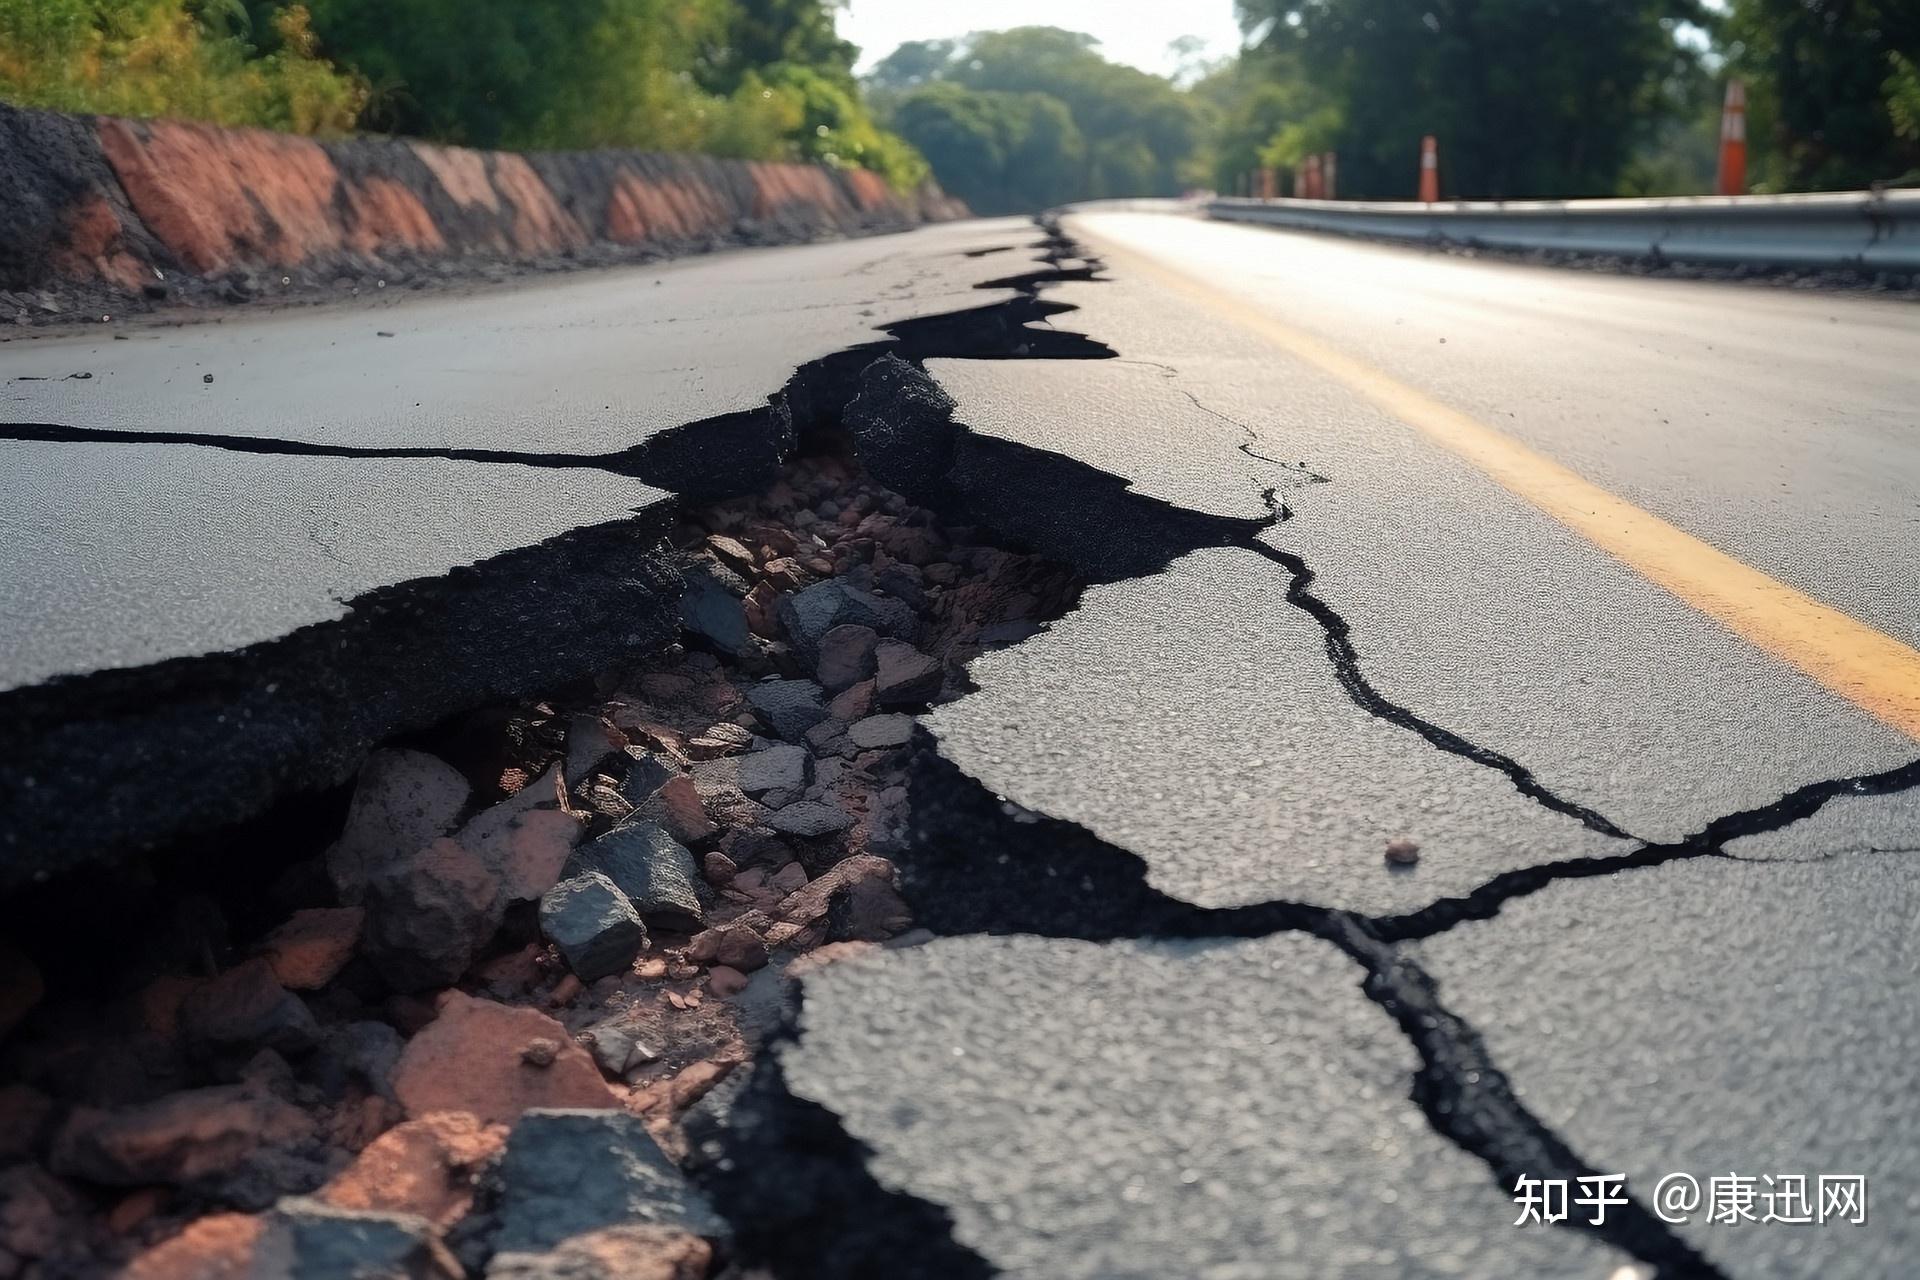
point(1430, 169)
point(1732, 178)
point(1329, 169)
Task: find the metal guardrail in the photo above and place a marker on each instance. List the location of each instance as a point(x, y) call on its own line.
point(1869, 231)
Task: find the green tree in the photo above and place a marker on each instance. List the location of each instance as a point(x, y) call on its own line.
point(1529, 98)
point(169, 57)
point(1831, 89)
point(1035, 116)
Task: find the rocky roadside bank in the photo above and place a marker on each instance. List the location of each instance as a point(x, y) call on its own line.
point(468, 1040)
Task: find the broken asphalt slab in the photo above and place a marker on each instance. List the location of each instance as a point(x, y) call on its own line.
point(280, 605)
point(1713, 1019)
point(1237, 1111)
point(1170, 715)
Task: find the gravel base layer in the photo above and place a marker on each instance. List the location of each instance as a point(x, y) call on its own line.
point(449, 1022)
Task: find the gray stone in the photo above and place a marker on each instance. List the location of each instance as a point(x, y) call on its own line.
point(617, 1046)
point(429, 915)
point(590, 742)
point(566, 1172)
point(401, 802)
point(307, 1239)
point(646, 774)
point(713, 613)
point(777, 776)
point(846, 656)
point(810, 818)
point(593, 924)
point(905, 676)
point(659, 875)
point(789, 707)
point(807, 615)
point(877, 732)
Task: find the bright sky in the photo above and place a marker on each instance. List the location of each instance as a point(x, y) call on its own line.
point(1135, 31)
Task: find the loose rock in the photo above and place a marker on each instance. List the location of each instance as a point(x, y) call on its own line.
point(846, 656)
point(403, 800)
point(657, 873)
point(810, 819)
point(307, 1237)
point(776, 776)
point(423, 1167)
point(310, 949)
point(181, 1140)
point(905, 676)
point(878, 732)
point(469, 1059)
point(569, 1172)
point(245, 1009)
point(617, 1046)
point(429, 914)
point(594, 925)
point(788, 707)
point(1403, 851)
point(640, 1252)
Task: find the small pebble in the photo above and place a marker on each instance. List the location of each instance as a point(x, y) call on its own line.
point(540, 1052)
point(1402, 851)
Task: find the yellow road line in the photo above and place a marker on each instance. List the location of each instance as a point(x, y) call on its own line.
point(1867, 667)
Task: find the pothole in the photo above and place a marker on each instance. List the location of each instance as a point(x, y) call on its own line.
point(583, 901)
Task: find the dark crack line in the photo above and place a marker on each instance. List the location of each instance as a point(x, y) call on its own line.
point(1802, 802)
point(1345, 657)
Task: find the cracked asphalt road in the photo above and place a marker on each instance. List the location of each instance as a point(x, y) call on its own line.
point(1601, 988)
point(1183, 1020)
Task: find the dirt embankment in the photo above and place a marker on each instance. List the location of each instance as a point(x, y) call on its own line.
point(100, 216)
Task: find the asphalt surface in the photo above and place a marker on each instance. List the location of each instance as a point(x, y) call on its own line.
point(541, 375)
point(1679, 952)
point(1185, 1019)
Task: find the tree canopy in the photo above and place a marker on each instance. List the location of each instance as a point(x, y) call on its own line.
point(1029, 117)
point(757, 78)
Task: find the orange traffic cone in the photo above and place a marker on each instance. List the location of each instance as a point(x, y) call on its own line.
point(1429, 169)
point(1329, 167)
point(1732, 180)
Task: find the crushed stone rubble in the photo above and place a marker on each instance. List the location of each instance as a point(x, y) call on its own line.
point(466, 1041)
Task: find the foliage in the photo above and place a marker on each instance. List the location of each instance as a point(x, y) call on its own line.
point(1831, 88)
point(168, 57)
point(1031, 117)
point(767, 79)
point(1528, 97)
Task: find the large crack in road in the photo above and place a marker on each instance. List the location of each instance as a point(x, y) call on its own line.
point(794, 1183)
point(975, 864)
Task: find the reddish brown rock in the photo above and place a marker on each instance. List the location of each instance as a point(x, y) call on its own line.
point(905, 676)
point(423, 1167)
point(846, 656)
point(643, 1251)
point(470, 1059)
point(737, 946)
point(245, 1009)
point(311, 948)
point(676, 806)
point(852, 703)
point(218, 1247)
point(179, 1139)
point(875, 909)
point(725, 981)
